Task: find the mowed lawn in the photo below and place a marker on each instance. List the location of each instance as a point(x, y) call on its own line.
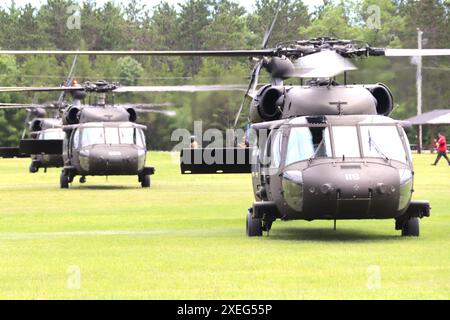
point(185, 239)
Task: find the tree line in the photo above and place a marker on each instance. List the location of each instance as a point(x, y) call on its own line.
point(211, 25)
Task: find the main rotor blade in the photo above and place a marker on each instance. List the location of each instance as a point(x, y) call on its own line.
point(211, 53)
point(38, 89)
point(270, 29)
point(187, 88)
point(68, 82)
point(15, 106)
point(416, 52)
point(12, 105)
point(144, 105)
point(250, 90)
point(257, 69)
point(22, 106)
point(324, 64)
point(168, 113)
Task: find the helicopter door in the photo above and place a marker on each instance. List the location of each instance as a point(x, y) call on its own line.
point(270, 162)
point(74, 143)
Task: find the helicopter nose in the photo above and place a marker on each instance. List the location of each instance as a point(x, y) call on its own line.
point(114, 161)
point(346, 191)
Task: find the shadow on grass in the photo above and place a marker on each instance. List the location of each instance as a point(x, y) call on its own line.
point(329, 235)
point(105, 188)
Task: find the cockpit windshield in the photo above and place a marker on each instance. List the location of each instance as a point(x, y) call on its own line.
point(112, 135)
point(382, 142)
point(307, 143)
point(377, 141)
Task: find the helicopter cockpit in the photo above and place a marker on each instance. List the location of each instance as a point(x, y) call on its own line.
point(316, 162)
point(108, 134)
point(105, 148)
point(355, 140)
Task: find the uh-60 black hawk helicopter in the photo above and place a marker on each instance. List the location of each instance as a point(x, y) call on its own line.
point(41, 127)
point(332, 152)
point(48, 153)
point(101, 138)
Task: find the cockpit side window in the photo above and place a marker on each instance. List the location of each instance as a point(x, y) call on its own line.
point(275, 154)
point(76, 139)
point(272, 150)
point(140, 138)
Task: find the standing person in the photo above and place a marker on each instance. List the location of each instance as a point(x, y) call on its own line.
point(194, 143)
point(441, 149)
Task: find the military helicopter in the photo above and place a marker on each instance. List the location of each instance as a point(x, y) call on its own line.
point(332, 152)
point(102, 138)
point(42, 127)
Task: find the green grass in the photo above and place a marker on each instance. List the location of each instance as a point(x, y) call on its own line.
point(185, 239)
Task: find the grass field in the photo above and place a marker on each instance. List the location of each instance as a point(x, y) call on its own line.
point(185, 239)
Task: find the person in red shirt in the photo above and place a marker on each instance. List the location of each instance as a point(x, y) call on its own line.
point(442, 149)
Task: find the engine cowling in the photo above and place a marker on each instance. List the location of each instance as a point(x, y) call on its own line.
point(267, 105)
point(79, 94)
point(280, 67)
point(38, 112)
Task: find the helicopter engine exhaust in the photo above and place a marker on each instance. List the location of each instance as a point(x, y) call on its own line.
point(72, 116)
point(133, 114)
point(383, 96)
point(266, 106)
point(36, 125)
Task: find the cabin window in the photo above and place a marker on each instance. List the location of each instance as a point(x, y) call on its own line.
point(383, 142)
point(346, 142)
point(308, 142)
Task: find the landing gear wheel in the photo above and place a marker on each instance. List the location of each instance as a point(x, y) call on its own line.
point(145, 181)
point(64, 181)
point(33, 169)
point(254, 226)
point(411, 228)
point(83, 179)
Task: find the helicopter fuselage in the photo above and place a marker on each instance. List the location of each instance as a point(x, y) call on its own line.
point(333, 168)
point(105, 149)
point(46, 129)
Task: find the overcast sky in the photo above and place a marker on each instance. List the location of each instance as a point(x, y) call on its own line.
point(150, 3)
